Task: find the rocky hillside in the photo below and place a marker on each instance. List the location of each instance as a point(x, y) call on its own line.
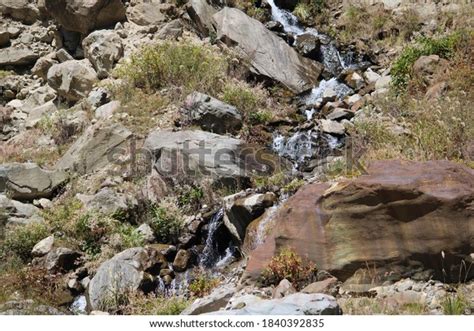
point(238, 157)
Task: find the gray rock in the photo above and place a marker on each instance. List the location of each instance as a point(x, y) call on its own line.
point(383, 82)
point(121, 275)
point(20, 10)
point(339, 114)
point(72, 80)
point(62, 259)
point(43, 247)
point(371, 77)
point(268, 54)
point(283, 289)
point(216, 300)
point(42, 66)
point(218, 159)
point(27, 307)
point(212, 115)
point(307, 45)
point(62, 55)
point(201, 13)
point(17, 56)
point(107, 110)
point(146, 232)
point(27, 181)
point(146, 13)
point(332, 127)
point(17, 213)
point(4, 38)
point(103, 48)
point(85, 16)
point(108, 202)
point(240, 211)
point(94, 149)
point(294, 304)
point(181, 261)
point(171, 30)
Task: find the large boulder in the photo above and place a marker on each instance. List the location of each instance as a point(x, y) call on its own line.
point(73, 79)
point(195, 153)
point(269, 55)
point(201, 13)
point(146, 13)
point(25, 11)
point(103, 48)
point(293, 304)
point(401, 212)
point(212, 114)
point(216, 300)
point(27, 181)
point(85, 16)
point(123, 274)
point(240, 211)
point(95, 149)
point(17, 56)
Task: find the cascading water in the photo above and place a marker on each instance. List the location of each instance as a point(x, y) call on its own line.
point(288, 20)
point(305, 144)
point(210, 253)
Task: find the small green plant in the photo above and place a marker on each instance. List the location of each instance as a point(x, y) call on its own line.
point(182, 64)
point(202, 284)
point(5, 73)
point(454, 304)
point(294, 185)
point(402, 67)
point(140, 304)
point(260, 117)
point(20, 240)
point(289, 265)
point(190, 197)
point(129, 237)
point(166, 221)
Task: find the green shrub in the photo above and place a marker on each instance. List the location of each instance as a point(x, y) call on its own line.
point(4, 73)
point(289, 265)
point(166, 221)
point(402, 67)
point(190, 197)
point(182, 64)
point(202, 284)
point(129, 237)
point(454, 305)
point(21, 240)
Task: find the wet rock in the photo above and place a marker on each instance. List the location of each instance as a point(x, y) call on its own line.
point(73, 80)
point(378, 218)
point(308, 45)
point(17, 56)
point(43, 247)
point(293, 304)
point(92, 150)
point(85, 16)
point(286, 4)
point(275, 26)
point(62, 259)
point(27, 181)
point(216, 300)
point(122, 274)
point(211, 114)
point(241, 211)
point(182, 260)
point(268, 54)
point(201, 13)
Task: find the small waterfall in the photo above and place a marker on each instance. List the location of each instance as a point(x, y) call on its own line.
point(287, 19)
point(316, 95)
